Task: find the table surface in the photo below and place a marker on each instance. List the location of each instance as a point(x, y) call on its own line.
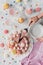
point(9, 22)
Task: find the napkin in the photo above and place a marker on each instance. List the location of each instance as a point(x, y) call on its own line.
point(36, 56)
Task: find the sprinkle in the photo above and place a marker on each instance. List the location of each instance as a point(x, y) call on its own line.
point(6, 14)
point(21, 20)
point(6, 6)
point(37, 9)
point(6, 31)
point(11, 5)
point(17, 12)
point(7, 22)
point(8, 55)
point(21, 4)
point(14, 1)
point(15, 26)
point(12, 58)
point(18, 0)
point(14, 51)
point(2, 17)
point(15, 61)
point(1, 44)
point(37, 4)
point(9, 62)
point(30, 5)
point(11, 11)
point(4, 61)
point(29, 11)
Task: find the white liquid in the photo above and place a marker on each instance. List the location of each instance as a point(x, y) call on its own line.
point(37, 31)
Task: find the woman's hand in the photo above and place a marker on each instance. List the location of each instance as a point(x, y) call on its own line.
point(33, 20)
point(40, 39)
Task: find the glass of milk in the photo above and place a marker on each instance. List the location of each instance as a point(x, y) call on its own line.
point(36, 30)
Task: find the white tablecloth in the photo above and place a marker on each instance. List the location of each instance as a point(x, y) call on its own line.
point(10, 23)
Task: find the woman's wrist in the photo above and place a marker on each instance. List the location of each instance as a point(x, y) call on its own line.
point(40, 16)
point(37, 18)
